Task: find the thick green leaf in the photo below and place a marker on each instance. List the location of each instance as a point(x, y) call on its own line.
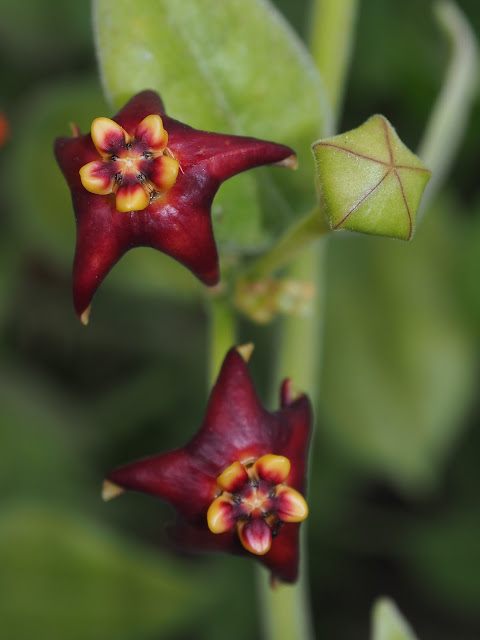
point(388, 622)
point(63, 577)
point(234, 67)
point(400, 361)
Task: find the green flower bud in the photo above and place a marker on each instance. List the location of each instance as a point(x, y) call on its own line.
point(369, 181)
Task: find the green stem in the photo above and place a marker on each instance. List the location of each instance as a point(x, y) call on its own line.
point(286, 610)
point(449, 117)
point(298, 237)
point(222, 334)
point(300, 354)
point(332, 26)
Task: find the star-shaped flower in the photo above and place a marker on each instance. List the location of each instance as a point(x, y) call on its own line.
point(145, 179)
point(238, 484)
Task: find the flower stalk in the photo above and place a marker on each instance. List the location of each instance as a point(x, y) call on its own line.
point(301, 338)
point(299, 237)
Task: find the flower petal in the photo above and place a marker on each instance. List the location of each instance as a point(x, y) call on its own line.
point(292, 437)
point(291, 505)
point(236, 426)
point(255, 536)
point(139, 107)
point(221, 515)
point(111, 490)
point(151, 134)
point(282, 559)
point(131, 196)
point(108, 137)
point(222, 155)
point(178, 220)
point(99, 177)
point(162, 171)
point(233, 478)
point(172, 476)
point(273, 469)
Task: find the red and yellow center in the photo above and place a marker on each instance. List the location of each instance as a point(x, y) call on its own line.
point(255, 500)
point(135, 168)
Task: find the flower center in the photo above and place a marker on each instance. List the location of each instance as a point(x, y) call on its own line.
point(255, 500)
point(137, 169)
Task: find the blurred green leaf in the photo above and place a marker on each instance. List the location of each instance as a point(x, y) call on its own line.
point(400, 360)
point(33, 39)
point(9, 270)
point(41, 207)
point(469, 265)
point(212, 63)
point(444, 557)
point(40, 455)
point(63, 577)
point(388, 622)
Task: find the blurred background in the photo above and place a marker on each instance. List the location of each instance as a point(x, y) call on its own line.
point(396, 456)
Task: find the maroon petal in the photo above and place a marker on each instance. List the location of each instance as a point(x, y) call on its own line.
point(177, 221)
point(105, 234)
point(173, 476)
point(292, 438)
point(142, 104)
point(281, 560)
point(236, 426)
point(223, 156)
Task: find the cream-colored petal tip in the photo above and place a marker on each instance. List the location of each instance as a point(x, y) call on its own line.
point(290, 163)
point(111, 490)
point(246, 350)
point(85, 315)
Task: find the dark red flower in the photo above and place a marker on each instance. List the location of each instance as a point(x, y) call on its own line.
point(238, 484)
point(145, 179)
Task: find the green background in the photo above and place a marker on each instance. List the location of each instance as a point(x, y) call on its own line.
point(395, 474)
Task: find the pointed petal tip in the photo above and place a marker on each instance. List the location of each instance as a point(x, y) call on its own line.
point(111, 490)
point(274, 582)
point(291, 162)
point(288, 394)
point(245, 351)
point(75, 129)
point(84, 317)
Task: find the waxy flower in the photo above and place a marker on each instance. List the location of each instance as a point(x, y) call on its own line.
point(238, 484)
point(145, 179)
